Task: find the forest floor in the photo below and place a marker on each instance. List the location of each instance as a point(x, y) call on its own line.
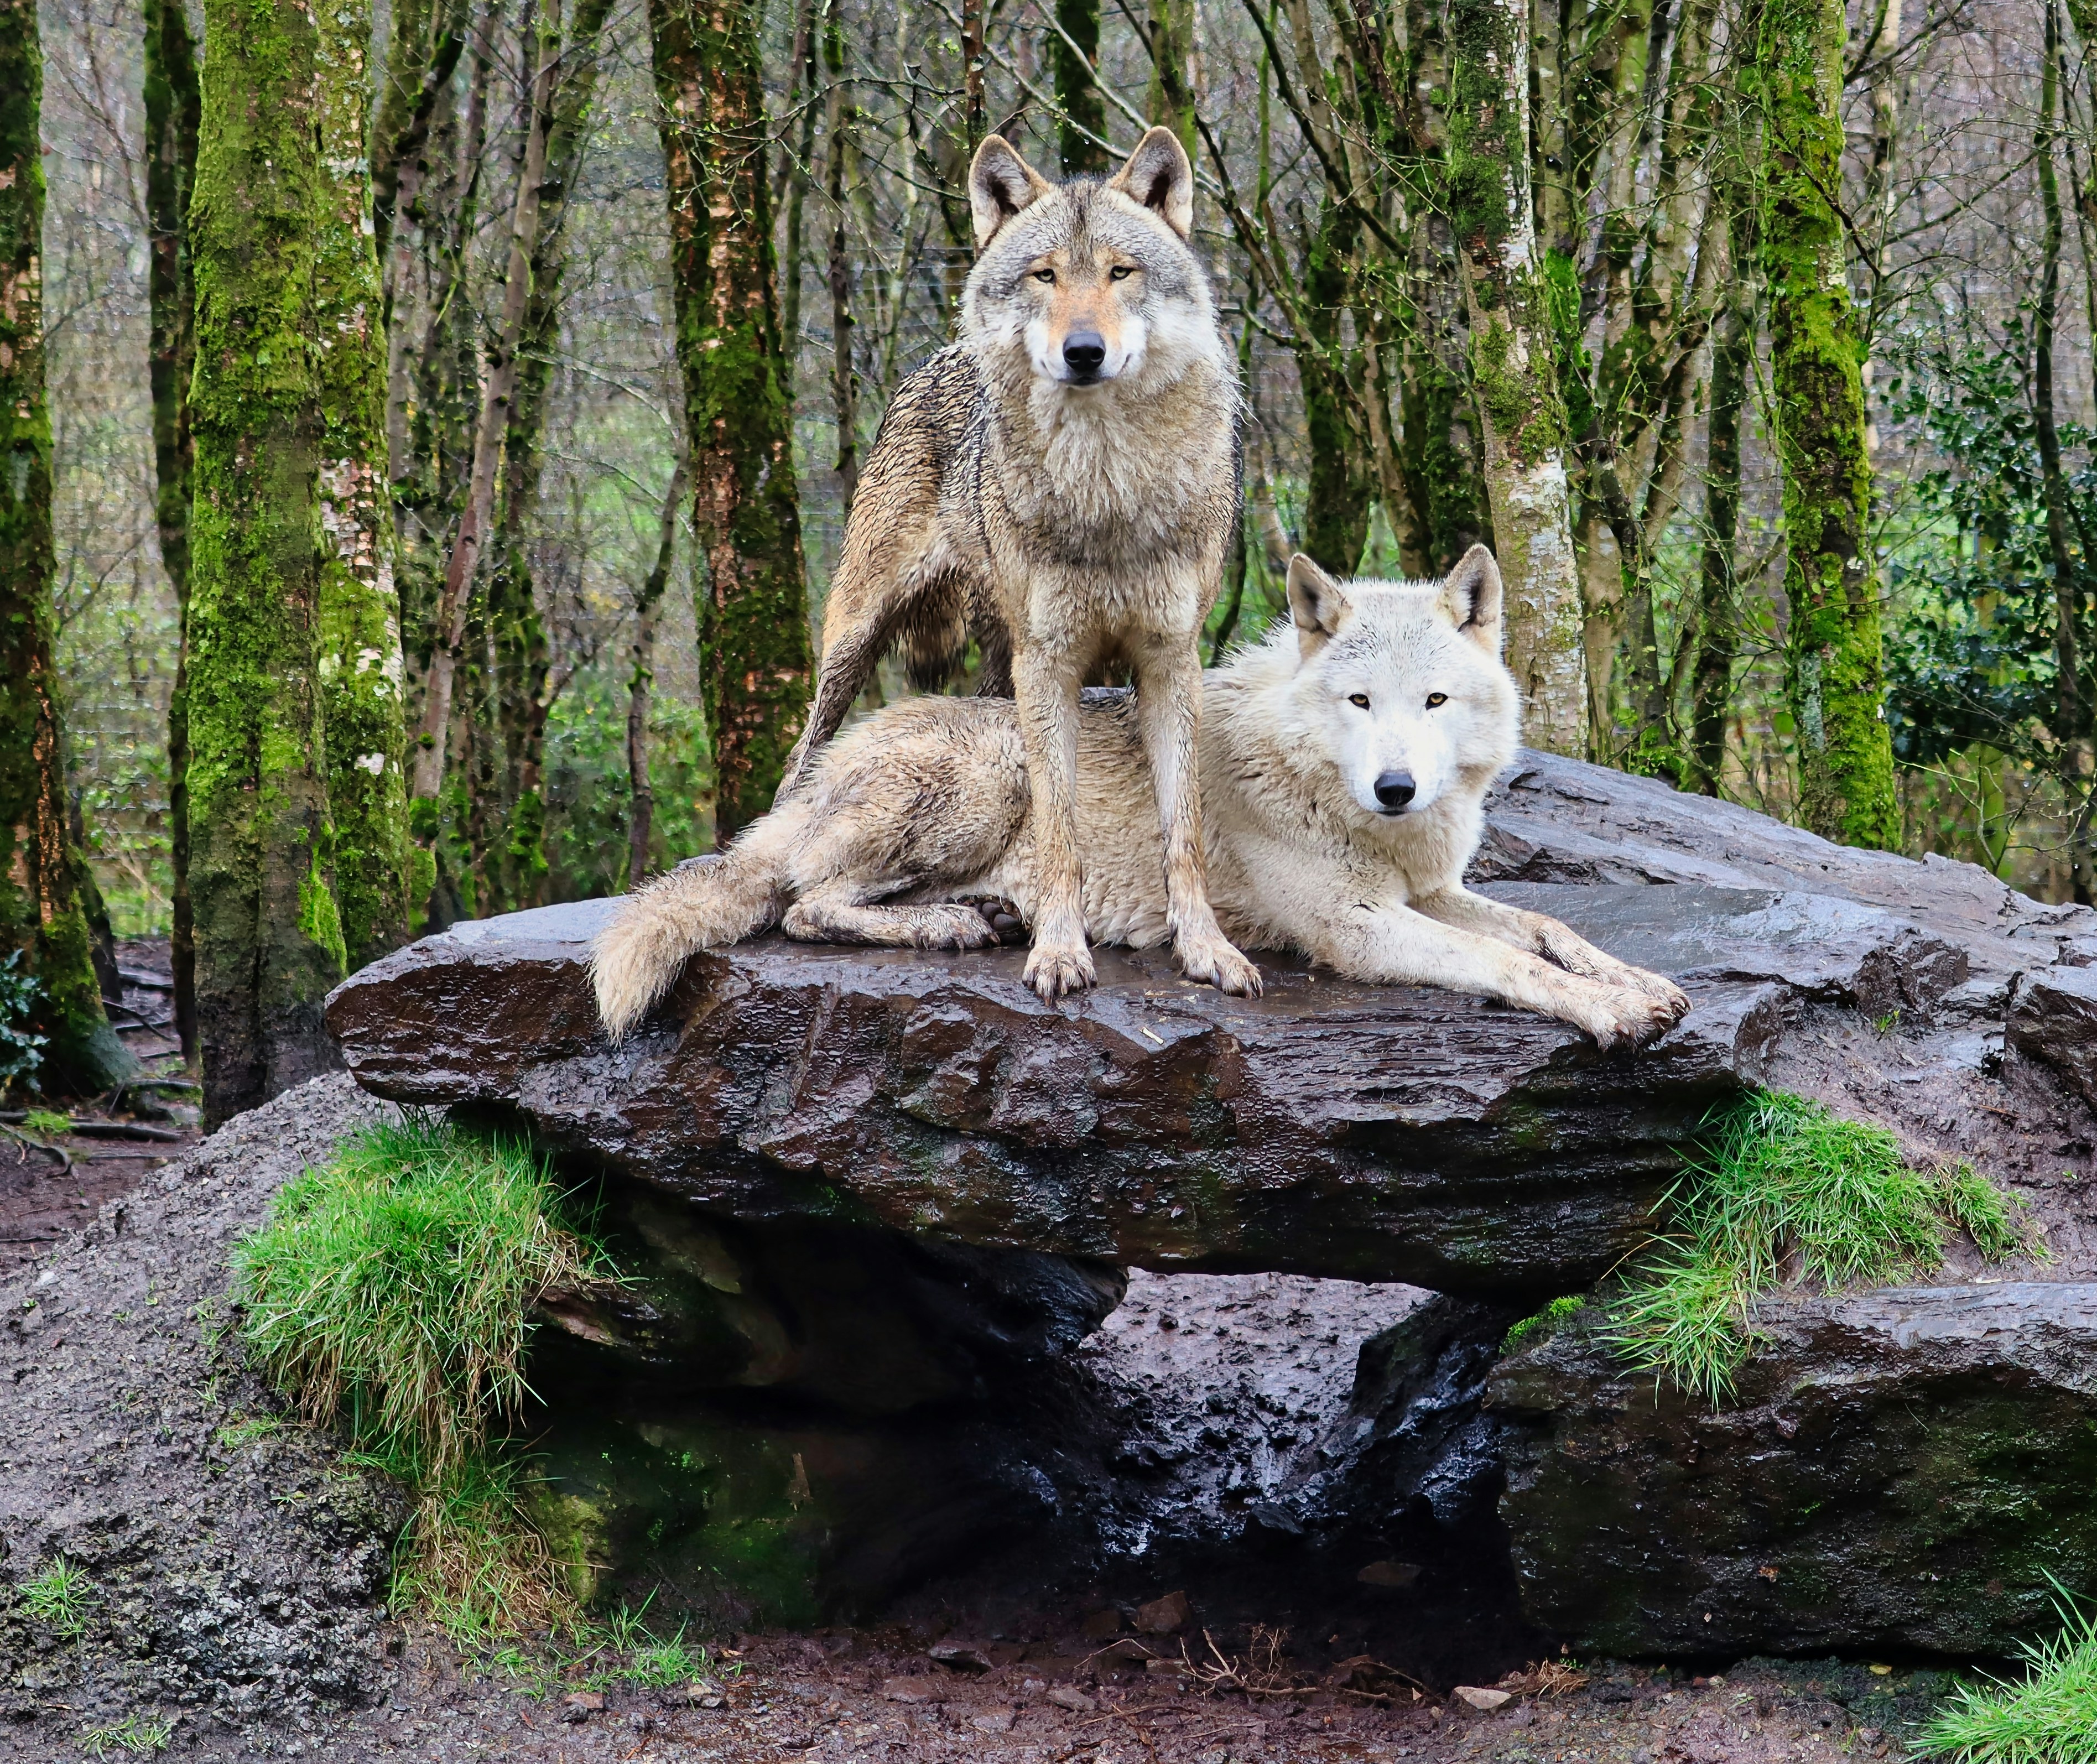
point(128, 1426)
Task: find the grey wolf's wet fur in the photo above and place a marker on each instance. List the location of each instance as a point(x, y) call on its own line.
point(1063, 482)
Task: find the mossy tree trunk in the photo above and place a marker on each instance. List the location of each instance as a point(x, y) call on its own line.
point(362, 672)
point(1171, 41)
point(1834, 670)
point(43, 878)
point(1513, 367)
point(268, 940)
point(754, 644)
point(1075, 54)
point(172, 108)
point(647, 609)
point(1717, 604)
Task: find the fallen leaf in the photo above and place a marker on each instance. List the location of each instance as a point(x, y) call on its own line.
point(1071, 1697)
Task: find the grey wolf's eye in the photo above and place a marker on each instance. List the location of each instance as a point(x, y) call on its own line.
point(1360, 700)
point(1121, 272)
point(1434, 699)
point(1045, 275)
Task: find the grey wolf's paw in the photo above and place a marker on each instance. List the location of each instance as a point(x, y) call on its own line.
point(1054, 970)
point(952, 927)
point(1213, 959)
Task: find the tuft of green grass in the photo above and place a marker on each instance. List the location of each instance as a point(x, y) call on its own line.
point(2050, 1717)
point(47, 1124)
point(1788, 1189)
point(392, 1289)
point(139, 1738)
point(235, 1434)
point(59, 1598)
point(396, 1282)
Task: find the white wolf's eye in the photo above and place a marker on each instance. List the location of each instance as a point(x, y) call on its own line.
point(1045, 275)
point(1121, 272)
point(1435, 698)
point(1360, 700)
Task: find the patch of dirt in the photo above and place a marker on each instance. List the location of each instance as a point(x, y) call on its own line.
point(47, 1192)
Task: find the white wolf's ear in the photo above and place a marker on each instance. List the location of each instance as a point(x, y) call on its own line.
point(1001, 184)
point(1316, 603)
point(1158, 176)
point(1471, 596)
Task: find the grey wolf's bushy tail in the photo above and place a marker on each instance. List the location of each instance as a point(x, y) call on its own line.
point(660, 927)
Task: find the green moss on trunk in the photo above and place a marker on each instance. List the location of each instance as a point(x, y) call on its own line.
point(42, 892)
point(1075, 54)
point(268, 940)
point(754, 643)
point(1834, 672)
point(173, 106)
point(1486, 194)
point(360, 668)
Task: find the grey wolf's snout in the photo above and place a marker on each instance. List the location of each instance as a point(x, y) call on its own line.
point(1084, 353)
point(1395, 790)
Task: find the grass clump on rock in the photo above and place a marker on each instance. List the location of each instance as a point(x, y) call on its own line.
point(391, 1290)
point(1788, 1190)
point(2050, 1717)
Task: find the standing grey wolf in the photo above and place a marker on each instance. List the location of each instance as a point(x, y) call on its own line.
point(1344, 762)
point(1064, 481)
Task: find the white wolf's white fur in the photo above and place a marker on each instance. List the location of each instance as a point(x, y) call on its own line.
point(919, 816)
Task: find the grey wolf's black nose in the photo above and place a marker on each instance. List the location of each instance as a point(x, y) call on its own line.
point(1085, 353)
point(1395, 790)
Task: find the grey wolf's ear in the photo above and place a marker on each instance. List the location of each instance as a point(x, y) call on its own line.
point(1001, 184)
point(1158, 176)
point(1316, 603)
point(1471, 596)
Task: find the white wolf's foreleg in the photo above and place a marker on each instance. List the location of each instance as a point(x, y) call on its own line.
point(1542, 935)
point(1046, 687)
point(1396, 945)
point(1168, 708)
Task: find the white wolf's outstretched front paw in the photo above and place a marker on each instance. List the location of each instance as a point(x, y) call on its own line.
point(1619, 1017)
point(1211, 958)
point(1054, 970)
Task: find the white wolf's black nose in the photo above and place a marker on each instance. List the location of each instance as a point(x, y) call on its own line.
point(1395, 790)
point(1085, 353)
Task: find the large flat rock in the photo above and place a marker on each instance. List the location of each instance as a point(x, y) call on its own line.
point(1905, 1469)
point(1366, 1133)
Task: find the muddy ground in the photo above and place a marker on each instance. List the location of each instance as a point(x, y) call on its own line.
point(236, 1568)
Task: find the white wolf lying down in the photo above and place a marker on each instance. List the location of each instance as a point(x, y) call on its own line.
point(1344, 763)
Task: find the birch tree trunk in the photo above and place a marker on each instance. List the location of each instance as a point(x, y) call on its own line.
point(1486, 171)
point(753, 646)
point(43, 913)
point(268, 938)
point(362, 672)
point(1835, 675)
point(173, 103)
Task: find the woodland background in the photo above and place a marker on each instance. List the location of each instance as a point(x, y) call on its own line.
point(1967, 206)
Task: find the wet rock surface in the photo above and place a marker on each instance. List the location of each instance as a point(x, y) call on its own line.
point(1364, 1132)
point(1903, 1469)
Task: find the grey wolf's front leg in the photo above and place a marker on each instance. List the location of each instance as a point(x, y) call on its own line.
point(1542, 935)
point(1046, 687)
point(1399, 946)
point(1168, 706)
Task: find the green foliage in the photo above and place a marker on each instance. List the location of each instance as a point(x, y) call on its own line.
point(2050, 1717)
point(589, 792)
point(391, 1288)
point(1531, 1331)
point(395, 1281)
point(21, 1004)
point(141, 1739)
point(59, 1598)
point(47, 1123)
point(1783, 1179)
